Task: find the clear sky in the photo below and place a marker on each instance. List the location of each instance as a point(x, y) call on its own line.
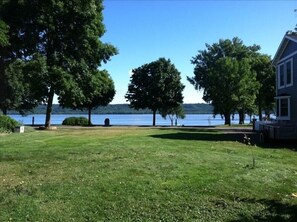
point(145, 30)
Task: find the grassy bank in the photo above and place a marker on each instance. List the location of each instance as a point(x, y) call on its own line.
point(143, 174)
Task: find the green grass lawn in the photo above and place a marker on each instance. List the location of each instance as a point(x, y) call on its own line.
point(143, 174)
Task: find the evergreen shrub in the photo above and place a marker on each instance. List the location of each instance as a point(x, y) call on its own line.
point(75, 121)
point(7, 124)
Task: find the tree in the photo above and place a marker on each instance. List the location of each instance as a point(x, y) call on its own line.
point(262, 65)
point(15, 47)
point(156, 86)
point(247, 89)
point(97, 90)
point(20, 87)
point(66, 35)
point(224, 72)
point(11, 87)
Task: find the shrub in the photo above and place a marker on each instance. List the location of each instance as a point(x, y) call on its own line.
point(7, 124)
point(75, 121)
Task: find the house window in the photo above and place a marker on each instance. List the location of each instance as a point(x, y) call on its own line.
point(281, 79)
point(283, 108)
point(285, 74)
point(289, 73)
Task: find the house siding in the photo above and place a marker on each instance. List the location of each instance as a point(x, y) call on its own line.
point(293, 110)
point(291, 90)
point(291, 48)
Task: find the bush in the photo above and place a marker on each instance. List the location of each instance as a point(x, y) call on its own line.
point(75, 121)
point(7, 124)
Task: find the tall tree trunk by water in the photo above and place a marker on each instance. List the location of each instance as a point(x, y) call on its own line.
point(154, 117)
point(90, 110)
point(241, 116)
point(227, 119)
point(260, 113)
point(49, 108)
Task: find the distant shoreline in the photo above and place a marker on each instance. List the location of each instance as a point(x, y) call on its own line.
point(189, 108)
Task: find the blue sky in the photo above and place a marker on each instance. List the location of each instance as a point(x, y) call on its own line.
point(145, 30)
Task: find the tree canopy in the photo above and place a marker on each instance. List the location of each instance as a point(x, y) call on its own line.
point(20, 87)
point(65, 37)
point(97, 90)
point(156, 86)
point(224, 72)
point(15, 51)
point(262, 65)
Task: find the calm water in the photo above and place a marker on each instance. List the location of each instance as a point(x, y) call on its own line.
point(130, 119)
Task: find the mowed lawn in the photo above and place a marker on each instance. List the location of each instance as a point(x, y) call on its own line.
point(144, 174)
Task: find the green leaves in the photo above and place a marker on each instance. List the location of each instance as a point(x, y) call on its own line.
point(157, 86)
point(262, 65)
point(224, 71)
point(61, 39)
point(3, 34)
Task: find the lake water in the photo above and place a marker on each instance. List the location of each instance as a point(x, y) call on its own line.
point(130, 119)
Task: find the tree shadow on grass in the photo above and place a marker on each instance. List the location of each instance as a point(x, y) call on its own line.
point(201, 136)
point(274, 211)
point(226, 134)
point(207, 135)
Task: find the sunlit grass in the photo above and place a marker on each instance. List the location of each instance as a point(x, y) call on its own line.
point(143, 174)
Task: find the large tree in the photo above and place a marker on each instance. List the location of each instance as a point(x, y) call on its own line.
point(156, 86)
point(224, 72)
point(97, 90)
point(66, 34)
point(262, 65)
point(16, 50)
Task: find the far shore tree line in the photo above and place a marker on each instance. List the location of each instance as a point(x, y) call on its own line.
point(53, 47)
point(117, 109)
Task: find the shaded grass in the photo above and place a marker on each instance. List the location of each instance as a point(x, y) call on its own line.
point(143, 174)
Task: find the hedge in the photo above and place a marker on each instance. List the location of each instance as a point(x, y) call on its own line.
point(76, 121)
point(7, 124)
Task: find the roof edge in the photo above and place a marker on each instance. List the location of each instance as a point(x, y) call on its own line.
point(287, 37)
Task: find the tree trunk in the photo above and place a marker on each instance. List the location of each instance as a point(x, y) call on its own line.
point(49, 108)
point(227, 119)
point(90, 109)
point(241, 116)
point(154, 117)
point(171, 119)
point(260, 113)
point(4, 111)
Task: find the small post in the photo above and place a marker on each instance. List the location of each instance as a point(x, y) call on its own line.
point(106, 122)
point(33, 120)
